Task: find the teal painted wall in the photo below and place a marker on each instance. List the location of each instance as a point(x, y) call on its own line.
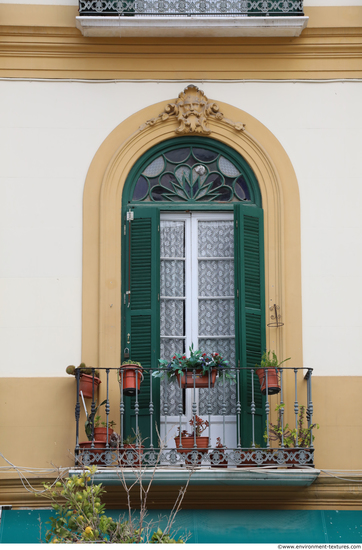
point(219, 526)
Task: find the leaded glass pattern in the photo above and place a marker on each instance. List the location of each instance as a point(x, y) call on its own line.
point(216, 306)
point(191, 174)
point(172, 311)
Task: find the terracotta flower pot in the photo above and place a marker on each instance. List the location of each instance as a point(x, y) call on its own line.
point(188, 446)
point(201, 380)
point(130, 456)
point(273, 380)
point(86, 383)
point(100, 434)
point(132, 377)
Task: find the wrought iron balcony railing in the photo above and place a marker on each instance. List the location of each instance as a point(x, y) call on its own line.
point(281, 446)
point(189, 8)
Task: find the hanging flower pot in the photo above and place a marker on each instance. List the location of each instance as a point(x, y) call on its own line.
point(130, 375)
point(271, 366)
point(273, 381)
point(86, 385)
point(201, 380)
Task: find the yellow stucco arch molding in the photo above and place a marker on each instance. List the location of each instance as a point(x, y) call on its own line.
point(102, 225)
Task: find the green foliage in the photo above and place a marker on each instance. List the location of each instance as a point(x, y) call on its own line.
point(291, 437)
point(197, 360)
point(159, 537)
point(80, 516)
point(130, 362)
point(72, 369)
point(270, 362)
point(92, 419)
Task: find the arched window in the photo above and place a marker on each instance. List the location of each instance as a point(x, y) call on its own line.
point(193, 272)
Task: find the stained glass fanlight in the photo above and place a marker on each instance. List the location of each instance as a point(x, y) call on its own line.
point(192, 174)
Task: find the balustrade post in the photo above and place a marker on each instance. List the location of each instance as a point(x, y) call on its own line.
point(267, 408)
point(121, 408)
point(77, 411)
point(282, 407)
point(194, 406)
point(238, 407)
point(252, 410)
point(209, 406)
point(310, 406)
point(107, 406)
point(137, 407)
point(296, 407)
point(93, 409)
point(180, 410)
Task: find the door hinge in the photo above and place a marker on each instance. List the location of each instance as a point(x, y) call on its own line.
point(236, 223)
point(239, 363)
point(124, 229)
point(158, 297)
point(130, 215)
point(237, 293)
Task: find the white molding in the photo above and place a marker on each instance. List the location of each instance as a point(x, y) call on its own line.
point(194, 26)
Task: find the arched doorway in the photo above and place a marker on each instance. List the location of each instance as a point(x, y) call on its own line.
point(193, 275)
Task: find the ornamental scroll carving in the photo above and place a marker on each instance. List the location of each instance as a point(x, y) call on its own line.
point(193, 111)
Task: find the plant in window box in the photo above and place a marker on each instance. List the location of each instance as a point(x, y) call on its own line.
point(268, 372)
point(200, 368)
point(86, 378)
point(130, 376)
point(217, 456)
point(292, 438)
point(186, 442)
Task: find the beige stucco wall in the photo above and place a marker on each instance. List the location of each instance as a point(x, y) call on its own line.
point(37, 425)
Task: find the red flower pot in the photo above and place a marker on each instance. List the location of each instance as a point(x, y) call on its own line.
point(273, 380)
point(132, 376)
point(100, 434)
point(188, 446)
point(201, 380)
point(86, 383)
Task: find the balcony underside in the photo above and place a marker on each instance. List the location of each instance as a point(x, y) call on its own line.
point(302, 477)
point(192, 26)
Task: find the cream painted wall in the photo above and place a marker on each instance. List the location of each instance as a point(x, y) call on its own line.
point(49, 135)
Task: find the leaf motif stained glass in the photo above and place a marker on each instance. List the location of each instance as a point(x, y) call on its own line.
point(191, 174)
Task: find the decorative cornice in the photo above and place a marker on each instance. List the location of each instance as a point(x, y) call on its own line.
point(324, 494)
point(192, 109)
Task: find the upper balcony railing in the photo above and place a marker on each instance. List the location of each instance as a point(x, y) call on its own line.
point(282, 446)
point(189, 8)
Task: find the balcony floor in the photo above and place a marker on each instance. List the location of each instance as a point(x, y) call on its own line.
point(193, 26)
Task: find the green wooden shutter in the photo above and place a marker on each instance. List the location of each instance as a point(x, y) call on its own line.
point(142, 316)
point(250, 313)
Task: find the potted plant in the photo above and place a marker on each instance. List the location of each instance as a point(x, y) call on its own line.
point(130, 375)
point(269, 365)
point(217, 456)
point(185, 442)
point(102, 432)
point(198, 366)
point(86, 379)
point(292, 438)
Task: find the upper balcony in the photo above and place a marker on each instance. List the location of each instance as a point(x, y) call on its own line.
point(188, 18)
point(245, 443)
